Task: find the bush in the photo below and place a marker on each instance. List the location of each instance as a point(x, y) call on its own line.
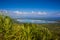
point(26, 31)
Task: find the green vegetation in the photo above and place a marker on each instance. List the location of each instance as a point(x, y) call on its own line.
point(10, 30)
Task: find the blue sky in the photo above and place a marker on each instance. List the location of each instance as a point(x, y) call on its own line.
point(28, 8)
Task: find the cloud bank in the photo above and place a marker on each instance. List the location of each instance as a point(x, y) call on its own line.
point(30, 13)
point(18, 13)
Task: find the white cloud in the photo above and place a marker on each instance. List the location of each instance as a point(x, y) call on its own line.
point(17, 12)
point(25, 13)
point(42, 13)
point(39, 13)
point(33, 12)
point(30, 13)
point(20, 12)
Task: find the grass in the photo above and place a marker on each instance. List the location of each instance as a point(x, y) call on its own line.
point(10, 30)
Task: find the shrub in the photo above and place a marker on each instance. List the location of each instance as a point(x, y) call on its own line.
point(26, 31)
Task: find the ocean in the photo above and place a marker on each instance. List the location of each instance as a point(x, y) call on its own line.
point(35, 21)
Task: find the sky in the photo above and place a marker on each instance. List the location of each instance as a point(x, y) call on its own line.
point(31, 8)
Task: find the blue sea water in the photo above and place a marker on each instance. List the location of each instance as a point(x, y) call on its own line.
point(34, 21)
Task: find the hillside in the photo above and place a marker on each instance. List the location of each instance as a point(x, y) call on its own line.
point(10, 30)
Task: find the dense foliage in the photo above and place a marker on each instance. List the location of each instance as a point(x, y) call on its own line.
point(26, 31)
